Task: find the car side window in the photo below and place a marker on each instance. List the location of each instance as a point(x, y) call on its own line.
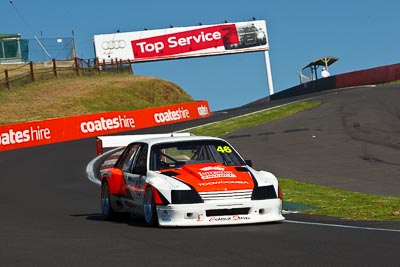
point(140, 162)
point(127, 157)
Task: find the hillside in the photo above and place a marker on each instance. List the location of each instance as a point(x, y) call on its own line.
point(86, 95)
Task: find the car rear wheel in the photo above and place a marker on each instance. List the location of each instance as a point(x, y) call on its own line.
point(106, 208)
point(149, 206)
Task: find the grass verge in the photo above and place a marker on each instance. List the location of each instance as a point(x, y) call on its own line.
point(327, 201)
point(341, 203)
point(65, 97)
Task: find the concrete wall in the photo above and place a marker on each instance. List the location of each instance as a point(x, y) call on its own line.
point(369, 76)
point(356, 78)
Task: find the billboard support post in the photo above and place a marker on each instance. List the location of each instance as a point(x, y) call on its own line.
point(269, 73)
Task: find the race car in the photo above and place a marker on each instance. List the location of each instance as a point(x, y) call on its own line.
point(180, 179)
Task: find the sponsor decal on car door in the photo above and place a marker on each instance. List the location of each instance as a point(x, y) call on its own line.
point(135, 186)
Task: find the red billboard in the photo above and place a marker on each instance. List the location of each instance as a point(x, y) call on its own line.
point(50, 131)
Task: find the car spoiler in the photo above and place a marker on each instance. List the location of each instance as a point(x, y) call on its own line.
point(113, 141)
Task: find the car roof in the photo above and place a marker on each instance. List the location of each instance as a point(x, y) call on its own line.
point(171, 139)
point(114, 141)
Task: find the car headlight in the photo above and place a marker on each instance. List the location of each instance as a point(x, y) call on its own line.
point(185, 197)
point(264, 192)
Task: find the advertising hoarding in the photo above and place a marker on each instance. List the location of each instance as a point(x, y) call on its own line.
point(22, 135)
point(204, 40)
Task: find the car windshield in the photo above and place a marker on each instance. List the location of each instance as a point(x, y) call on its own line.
point(248, 29)
point(177, 154)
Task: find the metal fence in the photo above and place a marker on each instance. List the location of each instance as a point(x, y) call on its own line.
point(21, 74)
point(13, 49)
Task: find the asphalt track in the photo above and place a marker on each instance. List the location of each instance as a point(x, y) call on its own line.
point(51, 213)
point(351, 142)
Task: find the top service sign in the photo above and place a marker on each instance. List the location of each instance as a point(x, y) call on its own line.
point(183, 42)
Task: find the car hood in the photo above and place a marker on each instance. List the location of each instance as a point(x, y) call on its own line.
point(213, 177)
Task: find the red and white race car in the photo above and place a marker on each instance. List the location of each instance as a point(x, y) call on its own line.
point(184, 180)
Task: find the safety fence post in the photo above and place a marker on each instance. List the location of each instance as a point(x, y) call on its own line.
point(76, 66)
point(54, 68)
point(130, 66)
point(32, 71)
point(6, 79)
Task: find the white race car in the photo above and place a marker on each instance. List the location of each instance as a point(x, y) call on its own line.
point(184, 180)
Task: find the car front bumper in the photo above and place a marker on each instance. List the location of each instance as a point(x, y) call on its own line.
point(257, 211)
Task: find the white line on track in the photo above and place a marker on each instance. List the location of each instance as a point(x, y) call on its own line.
point(344, 226)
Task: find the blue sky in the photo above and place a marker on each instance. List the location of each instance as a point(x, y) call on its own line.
point(363, 34)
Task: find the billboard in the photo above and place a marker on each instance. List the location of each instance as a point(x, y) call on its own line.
point(194, 41)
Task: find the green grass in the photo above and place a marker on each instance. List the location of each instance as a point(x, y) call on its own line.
point(390, 83)
point(341, 203)
point(321, 200)
point(134, 96)
point(65, 97)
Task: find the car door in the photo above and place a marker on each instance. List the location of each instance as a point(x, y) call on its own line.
point(135, 176)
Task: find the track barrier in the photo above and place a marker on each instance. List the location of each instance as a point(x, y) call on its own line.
point(22, 135)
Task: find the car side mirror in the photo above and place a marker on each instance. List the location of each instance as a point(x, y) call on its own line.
point(249, 163)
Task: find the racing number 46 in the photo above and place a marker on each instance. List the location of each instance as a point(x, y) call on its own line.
point(224, 149)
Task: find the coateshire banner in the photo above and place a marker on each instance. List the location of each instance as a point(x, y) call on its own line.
point(180, 42)
point(50, 131)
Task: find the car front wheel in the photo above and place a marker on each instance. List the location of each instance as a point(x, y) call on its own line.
point(149, 205)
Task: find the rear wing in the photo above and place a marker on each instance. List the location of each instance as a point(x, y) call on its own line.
point(113, 141)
